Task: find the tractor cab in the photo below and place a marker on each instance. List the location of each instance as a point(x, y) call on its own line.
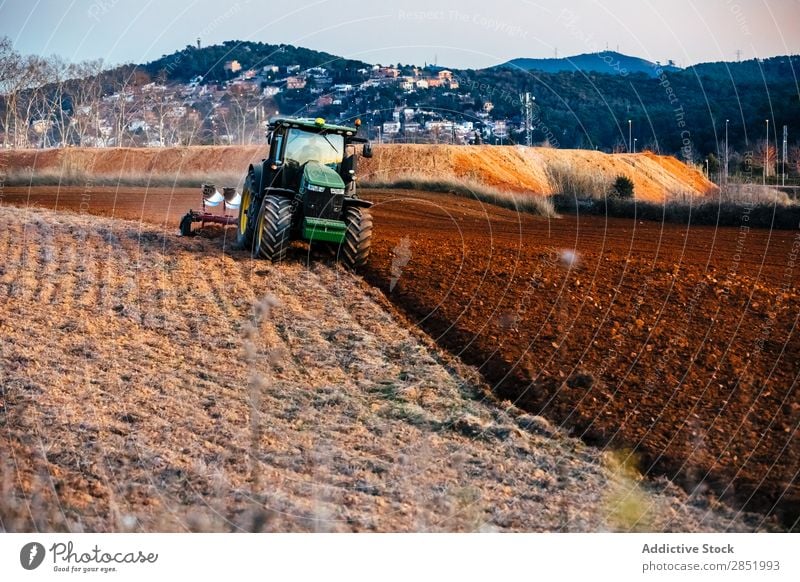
point(296, 142)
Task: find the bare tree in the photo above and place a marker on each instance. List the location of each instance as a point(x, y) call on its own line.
point(159, 105)
point(128, 103)
point(794, 159)
point(18, 76)
point(86, 98)
point(9, 73)
point(188, 128)
point(765, 153)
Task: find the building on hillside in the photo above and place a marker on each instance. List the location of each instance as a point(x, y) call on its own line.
point(391, 127)
point(296, 82)
point(232, 66)
point(385, 72)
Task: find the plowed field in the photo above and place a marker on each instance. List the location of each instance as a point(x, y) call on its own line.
point(678, 345)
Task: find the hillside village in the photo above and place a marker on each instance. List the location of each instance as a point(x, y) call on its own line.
point(407, 104)
point(225, 95)
point(313, 92)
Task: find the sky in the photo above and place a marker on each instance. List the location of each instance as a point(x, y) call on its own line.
point(453, 33)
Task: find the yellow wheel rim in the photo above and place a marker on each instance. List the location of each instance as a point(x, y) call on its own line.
point(245, 207)
point(259, 232)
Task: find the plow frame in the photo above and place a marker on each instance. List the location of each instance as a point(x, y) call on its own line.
point(211, 197)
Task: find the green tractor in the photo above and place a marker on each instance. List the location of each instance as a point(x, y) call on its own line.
point(306, 190)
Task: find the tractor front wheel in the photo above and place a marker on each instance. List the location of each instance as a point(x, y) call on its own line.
point(245, 225)
point(272, 236)
point(358, 237)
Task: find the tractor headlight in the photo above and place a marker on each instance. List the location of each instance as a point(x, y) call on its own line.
point(315, 188)
point(337, 190)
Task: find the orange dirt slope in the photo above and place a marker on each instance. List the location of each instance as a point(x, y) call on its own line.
point(518, 169)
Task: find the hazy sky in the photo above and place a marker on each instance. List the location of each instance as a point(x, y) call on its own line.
point(463, 33)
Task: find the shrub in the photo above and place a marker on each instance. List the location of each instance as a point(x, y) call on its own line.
point(623, 187)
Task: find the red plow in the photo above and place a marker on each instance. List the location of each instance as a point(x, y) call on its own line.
point(228, 199)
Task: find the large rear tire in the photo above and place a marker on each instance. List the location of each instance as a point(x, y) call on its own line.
point(248, 209)
point(358, 237)
point(273, 229)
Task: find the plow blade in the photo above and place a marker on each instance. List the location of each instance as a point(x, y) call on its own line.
point(213, 197)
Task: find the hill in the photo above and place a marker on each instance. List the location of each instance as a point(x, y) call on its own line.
point(605, 62)
point(209, 62)
point(782, 69)
point(531, 171)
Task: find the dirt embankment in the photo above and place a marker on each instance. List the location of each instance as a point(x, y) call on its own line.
point(518, 169)
point(156, 383)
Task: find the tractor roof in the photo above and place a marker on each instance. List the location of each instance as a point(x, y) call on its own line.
point(312, 124)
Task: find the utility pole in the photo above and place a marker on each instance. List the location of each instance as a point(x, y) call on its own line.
point(527, 116)
point(726, 152)
point(630, 134)
point(785, 144)
point(766, 155)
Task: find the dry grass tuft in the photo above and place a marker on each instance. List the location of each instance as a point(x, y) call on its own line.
point(73, 177)
point(468, 188)
point(577, 182)
point(751, 205)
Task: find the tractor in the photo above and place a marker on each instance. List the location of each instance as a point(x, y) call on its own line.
point(306, 190)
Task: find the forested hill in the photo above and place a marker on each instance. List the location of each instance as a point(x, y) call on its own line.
point(608, 62)
point(209, 62)
point(591, 109)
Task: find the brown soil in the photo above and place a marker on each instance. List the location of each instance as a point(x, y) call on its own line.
point(679, 345)
point(156, 383)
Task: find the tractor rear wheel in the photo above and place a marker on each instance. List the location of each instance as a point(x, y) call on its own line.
point(273, 229)
point(358, 237)
point(245, 225)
